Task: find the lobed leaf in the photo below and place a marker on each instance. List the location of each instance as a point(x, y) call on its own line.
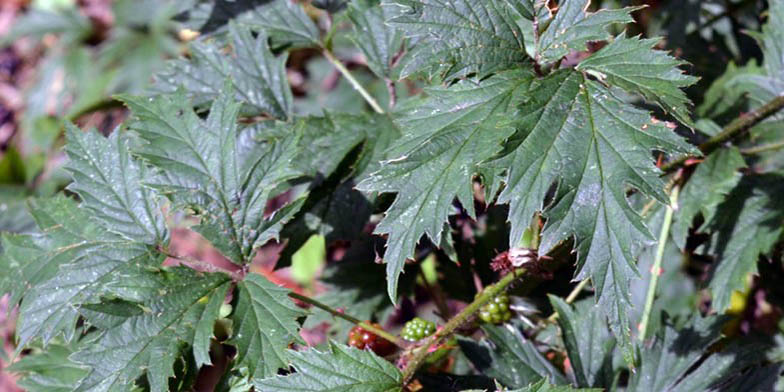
point(260, 76)
point(509, 357)
point(577, 134)
point(199, 169)
point(457, 38)
point(629, 63)
point(445, 137)
point(748, 226)
point(146, 337)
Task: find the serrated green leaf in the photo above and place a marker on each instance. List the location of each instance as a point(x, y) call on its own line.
point(459, 38)
point(727, 90)
point(340, 369)
point(509, 357)
point(713, 179)
point(200, 169)
point(73, 242)
point(19, 271)
point(445, 137)
point(576, 133)
point(329, 139)
point(260, 76)
point(673, 353)
point(573, 27)
point(109, 182)
point(285, 22)
point(379, 42)
point(265, 323)
point(544, 386)
point(206, 324)
point(147, 337)
point(748, 226)
point(631, 64)
point(680, 360)
point(588, 342)
point(49, 371)
point(771, 40)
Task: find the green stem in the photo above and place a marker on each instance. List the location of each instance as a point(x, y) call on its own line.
point(490, 292)
point(377, 331)
point(763, 148)
point(656, 269)
point(354, 82)
point(732, 130)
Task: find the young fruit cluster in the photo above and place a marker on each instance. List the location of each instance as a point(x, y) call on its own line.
point(497, 311)
point(362, 339)
point(417, 329)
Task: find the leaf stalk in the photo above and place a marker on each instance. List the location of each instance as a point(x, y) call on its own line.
point(656, 268)
point(354, 82)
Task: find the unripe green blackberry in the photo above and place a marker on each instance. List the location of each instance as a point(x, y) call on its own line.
point(417, 329)
point(496, 311)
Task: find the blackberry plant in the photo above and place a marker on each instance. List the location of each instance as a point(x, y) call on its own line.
point(328, 162)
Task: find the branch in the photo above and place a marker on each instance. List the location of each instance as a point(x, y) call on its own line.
point(465, 315)
point(656, 268)
point(377, 331)
point(354, 82)
point(734, 129)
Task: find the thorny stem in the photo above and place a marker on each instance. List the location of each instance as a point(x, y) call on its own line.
point(377, 331)
point(732, 130)
point(453, 324)
point(657, 261)
point(354, 82)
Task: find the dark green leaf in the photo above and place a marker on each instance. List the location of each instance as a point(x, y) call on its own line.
point(379, 42)
point(545, 386)
point(146, 337)
point(285, 22)
point(573, 27)
point(459, 38)
point(574, 132)
point(713, 179)
point(748, 226)
point(340, 369)
point(259, 76)
point(200, 169)
point(49, 371)
point(445, 136)
point(265, 323)
point(509, 357)
point(109, 182)
point(588, 342)
point(629, 63)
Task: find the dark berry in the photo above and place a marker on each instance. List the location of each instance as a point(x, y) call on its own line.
point(417, 329)
point(497, 311)
point(360, 338)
